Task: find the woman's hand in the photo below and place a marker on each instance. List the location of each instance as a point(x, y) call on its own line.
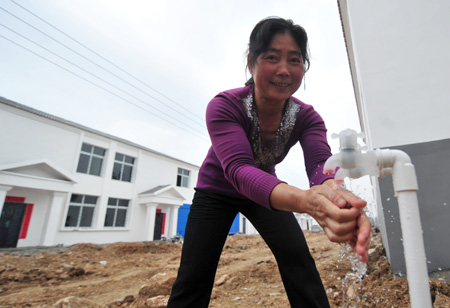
point(347, 223)
point(337, 210)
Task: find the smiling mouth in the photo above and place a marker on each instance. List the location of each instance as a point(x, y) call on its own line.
point(279, 84)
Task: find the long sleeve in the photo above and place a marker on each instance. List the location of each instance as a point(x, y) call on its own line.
point(230, 168)
point(229, 127)
point(316, 150)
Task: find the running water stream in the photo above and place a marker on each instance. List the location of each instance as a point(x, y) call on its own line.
point(353, 278)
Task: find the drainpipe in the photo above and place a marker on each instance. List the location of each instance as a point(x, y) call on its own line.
point(353, 163)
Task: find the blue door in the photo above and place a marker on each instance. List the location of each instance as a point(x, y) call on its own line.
point(183, 212)
point(235, 226)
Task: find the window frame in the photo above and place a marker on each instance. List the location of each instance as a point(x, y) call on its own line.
point(123, 164)
point(182, 178)
point(81, 205)
point(91, 157)
point(116, 207)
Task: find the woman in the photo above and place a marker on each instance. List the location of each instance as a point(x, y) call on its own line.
point(252, 129)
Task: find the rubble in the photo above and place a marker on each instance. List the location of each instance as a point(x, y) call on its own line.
point(138, 275)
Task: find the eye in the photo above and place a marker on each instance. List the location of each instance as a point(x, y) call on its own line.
point(271, 57)
point(296, 60)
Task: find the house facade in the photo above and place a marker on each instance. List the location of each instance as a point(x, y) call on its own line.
point(63, 183)
point(400, 69)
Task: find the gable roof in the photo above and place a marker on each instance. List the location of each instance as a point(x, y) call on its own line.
point(42, 168)
point(40, 174)
point(155, 190)
point(162, 194)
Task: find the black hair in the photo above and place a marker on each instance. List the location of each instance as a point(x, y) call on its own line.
point(264, 32)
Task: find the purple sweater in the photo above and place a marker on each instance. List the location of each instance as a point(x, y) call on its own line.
point(238, 164)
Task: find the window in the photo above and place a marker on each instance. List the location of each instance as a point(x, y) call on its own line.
point(81, 211)
point(91, 159)
point(183, 178)
point(116, 212)
point(123, 167)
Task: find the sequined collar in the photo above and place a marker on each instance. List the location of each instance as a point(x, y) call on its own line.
point(265, 157)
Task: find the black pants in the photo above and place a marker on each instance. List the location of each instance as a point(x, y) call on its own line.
point(209, 222)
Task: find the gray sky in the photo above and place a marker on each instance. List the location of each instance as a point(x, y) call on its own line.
point(157, 64)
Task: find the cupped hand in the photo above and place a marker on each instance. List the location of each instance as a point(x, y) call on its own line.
point(339, 212)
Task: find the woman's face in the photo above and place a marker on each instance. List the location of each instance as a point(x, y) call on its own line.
point(278, 72)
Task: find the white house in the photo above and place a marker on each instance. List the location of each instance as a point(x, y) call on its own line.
point(63, 183)
point(398, 52)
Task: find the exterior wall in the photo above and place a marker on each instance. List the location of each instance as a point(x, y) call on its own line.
point(434, 203)
point(307, 223)
point(27, 137)
point(246, 227)
point(400, 63)
point(397, 53)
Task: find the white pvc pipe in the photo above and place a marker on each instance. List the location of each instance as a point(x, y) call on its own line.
point(405, 186)
point(416, 266)
point(354, 164)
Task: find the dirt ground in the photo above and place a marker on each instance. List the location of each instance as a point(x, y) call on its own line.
point(141, 275)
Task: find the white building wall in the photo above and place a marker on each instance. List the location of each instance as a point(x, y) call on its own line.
point(42, 133)
point(400, 61)
point(399, 64)
point(29, 137)
point(245, 226)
